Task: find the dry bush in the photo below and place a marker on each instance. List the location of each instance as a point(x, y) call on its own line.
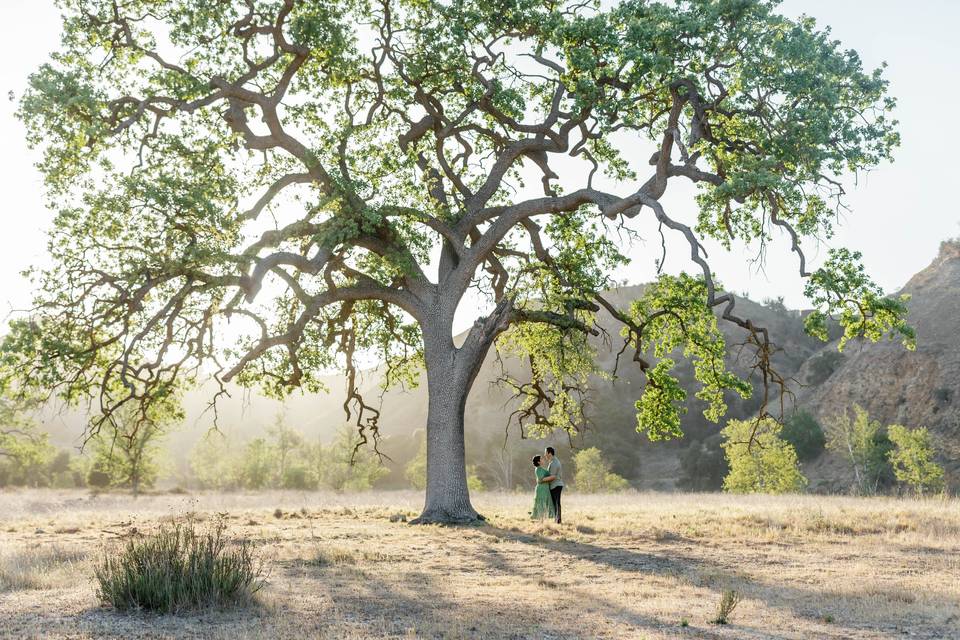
point(728, 602)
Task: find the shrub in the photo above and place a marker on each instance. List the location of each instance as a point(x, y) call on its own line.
point(179, 568)
point(728, 602)
point(912, 459)
point(805, 434)
point(474, 483)
point(703, 465)
point(943, 395)
point(823, 366)
point(258, 468)
point(593, 473)
point(760, 460)
point(298, 478)
point(416, 470)
point(215, 462)
point(98, 479)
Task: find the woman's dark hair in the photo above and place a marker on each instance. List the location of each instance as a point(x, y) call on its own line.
point(536, 461)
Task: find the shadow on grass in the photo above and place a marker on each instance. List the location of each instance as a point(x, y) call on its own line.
point(715, 575)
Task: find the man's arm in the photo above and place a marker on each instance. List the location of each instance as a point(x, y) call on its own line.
point(552, 476)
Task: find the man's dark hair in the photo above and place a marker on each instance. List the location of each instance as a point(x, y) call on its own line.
point(551, 451)
point(536, 461)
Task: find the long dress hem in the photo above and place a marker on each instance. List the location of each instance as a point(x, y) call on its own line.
point(542, 503)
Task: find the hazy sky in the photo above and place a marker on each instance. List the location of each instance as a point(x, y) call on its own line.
point(900, 212)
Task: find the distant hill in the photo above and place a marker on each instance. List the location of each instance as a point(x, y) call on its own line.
point(895, 385)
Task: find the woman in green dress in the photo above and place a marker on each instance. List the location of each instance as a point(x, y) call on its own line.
point(542, 504)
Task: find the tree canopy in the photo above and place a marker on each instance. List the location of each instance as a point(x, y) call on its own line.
point(760, 460)
point(265, 190)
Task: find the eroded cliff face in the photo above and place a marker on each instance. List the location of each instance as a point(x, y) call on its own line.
point(918, 388)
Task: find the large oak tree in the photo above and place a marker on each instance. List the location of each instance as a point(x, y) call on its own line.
point(264, 190)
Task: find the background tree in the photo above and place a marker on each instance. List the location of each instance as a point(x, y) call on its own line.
point(499, 461)
point(805, 434)
point(912, 459)
point(25, 453)
point(214, 462)
point(127, 445)
point(258, 465)
point(703, 466)
point(864, 444)
point(416, 470)
point(593, 473)
point(276, 187)
point(347, 466)
point(286, 441)
point(760, 460)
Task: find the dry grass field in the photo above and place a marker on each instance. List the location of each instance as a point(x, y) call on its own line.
point(638, 565)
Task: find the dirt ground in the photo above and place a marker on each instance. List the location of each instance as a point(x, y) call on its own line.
point(636, 565)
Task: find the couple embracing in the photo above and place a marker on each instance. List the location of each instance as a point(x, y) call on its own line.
point(546, 501)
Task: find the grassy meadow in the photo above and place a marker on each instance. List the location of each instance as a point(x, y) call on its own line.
point(633, 565)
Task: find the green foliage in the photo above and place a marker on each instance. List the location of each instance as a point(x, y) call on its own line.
point(292, 456)
point(912, 459)
point(760, 460)
point(346, 465)
point(561, 363)
point(674, 316)
point(128, 444)
point(474, 483)
point(180, 567)
point(416, 470)
point(98, 479)
point(804, 433)
point(593, 473)
point(258, 468)
point(703, 466)
point(214, 462)
point(372, 166)
point(27, 458)
point(864, 444)
point(840, 289)
point(285, 460)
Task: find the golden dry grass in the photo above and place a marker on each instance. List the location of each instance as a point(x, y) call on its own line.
point(637, 565)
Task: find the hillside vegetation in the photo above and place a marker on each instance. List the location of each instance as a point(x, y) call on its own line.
point(918, 388)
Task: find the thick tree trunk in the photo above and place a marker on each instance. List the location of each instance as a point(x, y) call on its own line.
point(447, 499)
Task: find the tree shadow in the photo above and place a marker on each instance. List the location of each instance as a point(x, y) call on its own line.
point(705, 573)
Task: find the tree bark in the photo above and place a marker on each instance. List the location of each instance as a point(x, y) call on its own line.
point(447, 496)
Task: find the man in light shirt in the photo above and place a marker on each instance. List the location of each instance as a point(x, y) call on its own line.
point(554, 478)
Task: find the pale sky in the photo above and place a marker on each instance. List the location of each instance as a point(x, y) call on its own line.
point(900, 212)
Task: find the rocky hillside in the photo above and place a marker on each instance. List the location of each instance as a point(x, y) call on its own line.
point(914, 388)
